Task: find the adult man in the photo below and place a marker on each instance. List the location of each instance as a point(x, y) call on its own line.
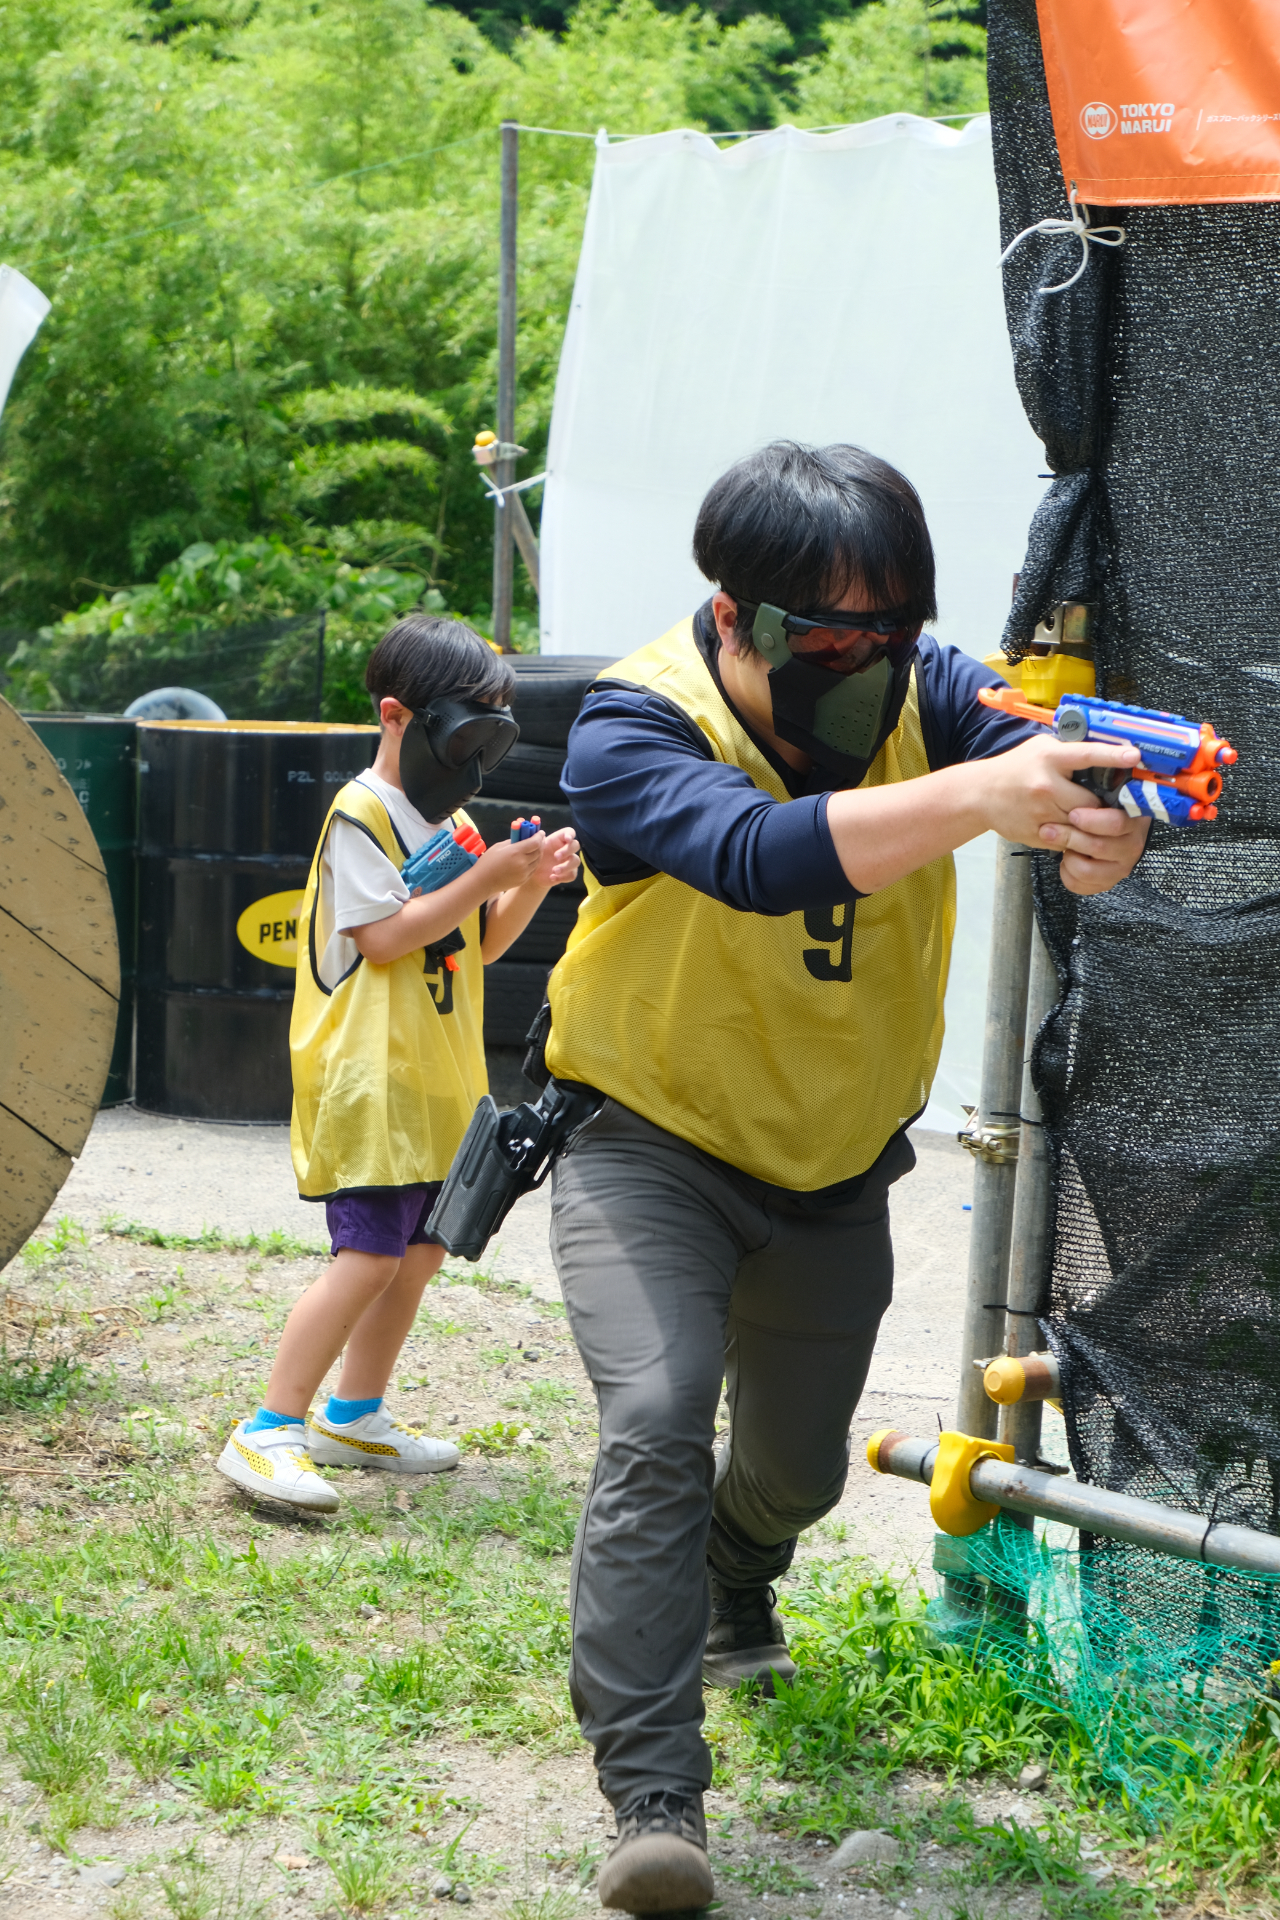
point(767, 800)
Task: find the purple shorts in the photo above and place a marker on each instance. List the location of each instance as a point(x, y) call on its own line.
point(386, 1220)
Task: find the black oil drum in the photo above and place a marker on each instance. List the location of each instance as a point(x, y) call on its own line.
point(550, 689)
point(97, 753)
point(229, 815)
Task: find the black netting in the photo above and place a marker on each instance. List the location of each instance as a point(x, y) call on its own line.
point(1156, 384)
point(267, 670)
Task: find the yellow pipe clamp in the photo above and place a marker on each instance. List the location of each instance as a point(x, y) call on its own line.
point(953, 1506)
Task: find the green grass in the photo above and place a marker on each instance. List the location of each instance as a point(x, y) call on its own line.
point(192, 1891)
point(208, 1668)
point(541, 1396)
point(56, 1735)
point(67, 1234)
point(239, 1679)
point(501, 1436)
point(278, 1243)
point(876, 1693)
point(368, 1870)
point(33, 1380)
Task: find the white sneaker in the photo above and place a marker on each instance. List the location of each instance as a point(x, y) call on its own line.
point(274, 1462)
point(376, 1440)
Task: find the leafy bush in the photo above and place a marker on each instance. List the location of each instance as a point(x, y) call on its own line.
point(259, 599)
point(270, 236)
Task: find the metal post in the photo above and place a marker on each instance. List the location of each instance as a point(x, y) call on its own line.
point(993, 1135)
point(320, 664)
point(505, 470)
point(1033, 1195)
point(526, 539)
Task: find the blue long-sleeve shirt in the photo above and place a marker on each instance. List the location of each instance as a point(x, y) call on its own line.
point(647, 795)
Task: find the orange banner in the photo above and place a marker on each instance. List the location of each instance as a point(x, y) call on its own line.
point(1165, 102)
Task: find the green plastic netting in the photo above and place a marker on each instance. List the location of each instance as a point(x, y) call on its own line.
point(1160, 1697)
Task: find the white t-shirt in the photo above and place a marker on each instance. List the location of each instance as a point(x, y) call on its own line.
point(358, 884)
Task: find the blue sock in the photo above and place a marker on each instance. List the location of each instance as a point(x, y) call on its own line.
point(264, 1418)
point(342, 1412)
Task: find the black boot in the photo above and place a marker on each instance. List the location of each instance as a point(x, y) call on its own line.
point(660, 1862)
point(746, 1640)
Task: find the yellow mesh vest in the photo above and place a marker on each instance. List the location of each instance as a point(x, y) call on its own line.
point(388, 1067)
point(791, 1047)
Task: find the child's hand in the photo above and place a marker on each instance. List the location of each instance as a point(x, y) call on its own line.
point(510, 863)
point(559, 860)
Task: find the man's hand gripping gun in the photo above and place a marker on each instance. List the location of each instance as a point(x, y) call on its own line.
point(1178, 779)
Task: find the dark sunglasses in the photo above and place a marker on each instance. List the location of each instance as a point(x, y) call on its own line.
point(894, 625)
point(458, 730)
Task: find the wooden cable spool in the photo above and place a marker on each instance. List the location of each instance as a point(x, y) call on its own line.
point(59, 980)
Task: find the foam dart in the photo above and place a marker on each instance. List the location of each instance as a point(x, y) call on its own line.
point(523, 829)
point(1221, 752)
point(1034, 1377)
point(469, 839)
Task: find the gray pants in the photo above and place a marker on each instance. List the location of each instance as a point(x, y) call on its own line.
point(678, 1271)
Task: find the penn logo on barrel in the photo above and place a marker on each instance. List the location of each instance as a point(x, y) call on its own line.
point(1098, 119)
point(269, 929)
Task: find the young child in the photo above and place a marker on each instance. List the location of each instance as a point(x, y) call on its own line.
point(388, 1052)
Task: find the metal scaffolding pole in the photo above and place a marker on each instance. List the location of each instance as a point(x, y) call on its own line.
point(1116, 1516)
point(1032, 1215)
point(505, 470)
point(993, 1135)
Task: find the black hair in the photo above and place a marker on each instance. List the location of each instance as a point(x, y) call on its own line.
point(424, 658)
point(796, 527)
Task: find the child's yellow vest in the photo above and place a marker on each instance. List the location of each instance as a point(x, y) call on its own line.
point(792, 1047)
point(388, 1067)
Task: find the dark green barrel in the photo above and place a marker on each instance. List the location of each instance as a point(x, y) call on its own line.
point(98, 755)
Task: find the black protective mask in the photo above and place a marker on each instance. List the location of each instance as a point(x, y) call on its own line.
point(447, 749)
point(841, 720)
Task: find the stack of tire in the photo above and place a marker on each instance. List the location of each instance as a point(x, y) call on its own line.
point(550, 691)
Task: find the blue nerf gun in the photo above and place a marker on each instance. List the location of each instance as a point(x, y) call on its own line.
point(444, 857)
point(1178, 780)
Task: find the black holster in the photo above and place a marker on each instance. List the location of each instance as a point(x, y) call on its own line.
point(504, 1154)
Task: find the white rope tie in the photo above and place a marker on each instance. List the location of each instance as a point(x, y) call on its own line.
point(1078, 225)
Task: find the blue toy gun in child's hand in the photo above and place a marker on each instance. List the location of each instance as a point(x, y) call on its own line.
point(1178, 779)
point(446, 856)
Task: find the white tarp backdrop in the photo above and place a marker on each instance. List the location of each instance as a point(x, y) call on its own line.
point(22, 309)
point(817, 287)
